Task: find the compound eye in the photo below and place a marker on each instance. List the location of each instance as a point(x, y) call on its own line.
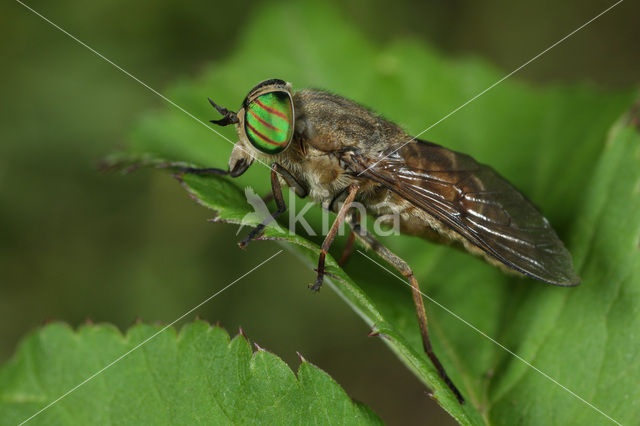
point(268, 121)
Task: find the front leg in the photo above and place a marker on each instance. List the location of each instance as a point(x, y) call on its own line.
point(326, 244)
point(276, 190)
point(182, 169)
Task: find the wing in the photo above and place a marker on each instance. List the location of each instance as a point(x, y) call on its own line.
point(478, 204)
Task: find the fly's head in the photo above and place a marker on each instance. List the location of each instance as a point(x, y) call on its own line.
point(265, 124)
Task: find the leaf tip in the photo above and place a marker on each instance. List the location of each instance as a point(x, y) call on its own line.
point(302, 359)
point(242, 333)
point(374, 332)
point(178, 177)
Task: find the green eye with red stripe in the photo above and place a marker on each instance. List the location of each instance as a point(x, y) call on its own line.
point(268, 121)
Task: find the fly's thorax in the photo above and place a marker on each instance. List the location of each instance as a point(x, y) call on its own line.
point(319, 172)
point(330, 122)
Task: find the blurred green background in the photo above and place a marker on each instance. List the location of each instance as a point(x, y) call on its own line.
point(78, 244)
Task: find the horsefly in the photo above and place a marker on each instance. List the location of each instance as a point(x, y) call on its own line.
point(337, 152)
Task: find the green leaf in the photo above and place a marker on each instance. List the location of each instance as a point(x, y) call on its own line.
point(549, 141)
point(198, 376)
point(590, 345)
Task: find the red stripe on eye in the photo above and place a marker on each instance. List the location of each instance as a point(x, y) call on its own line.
point(272, 110)
point(263, 137)
point(264, 123)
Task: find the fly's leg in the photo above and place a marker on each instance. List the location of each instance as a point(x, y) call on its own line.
point(348, 249)
point(276, 190)
point(203, 172)
point(402, 267)
point(180, 168)
point(267, 198)
point(300, 190)
point(328, 240)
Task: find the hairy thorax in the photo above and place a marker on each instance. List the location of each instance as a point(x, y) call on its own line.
point(326, 126)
